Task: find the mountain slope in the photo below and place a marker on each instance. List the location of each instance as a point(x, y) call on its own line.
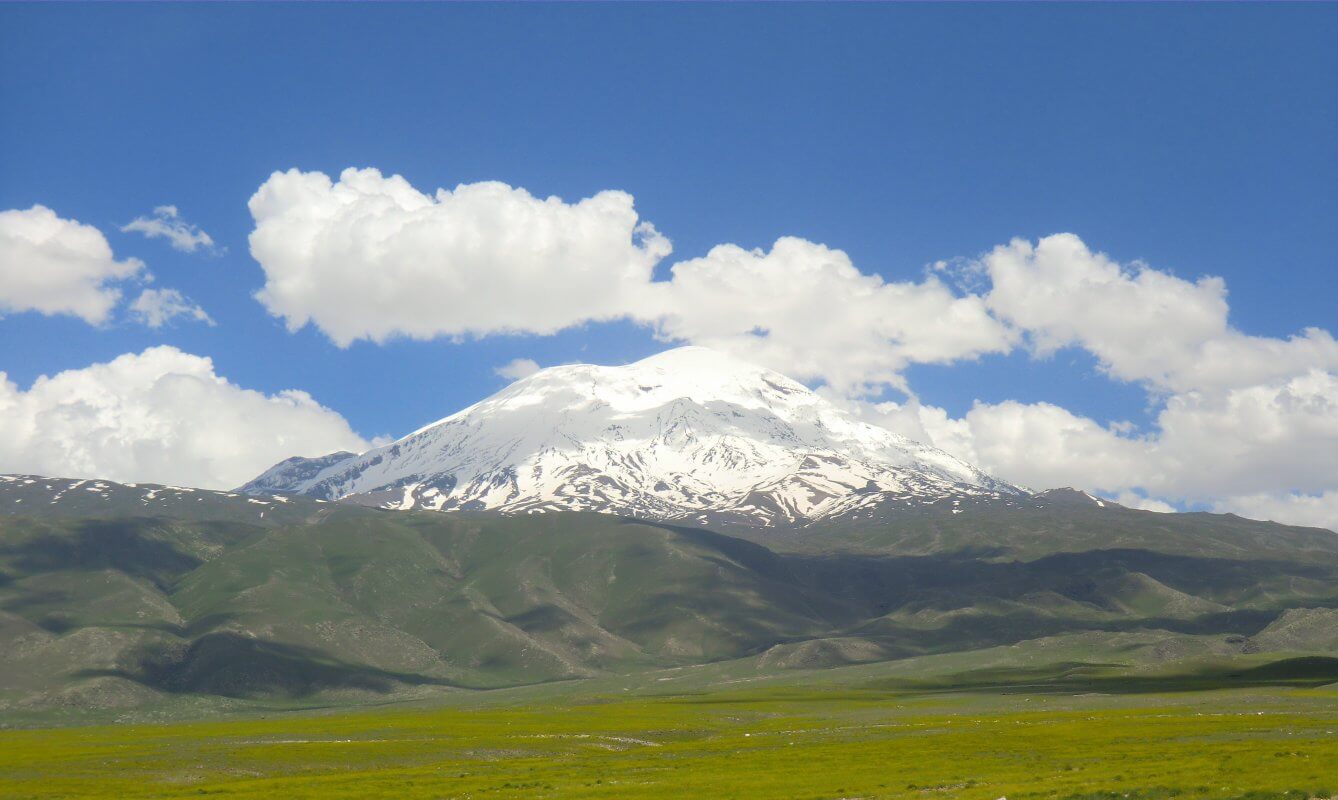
point(46, 497)
point(689, 434)
point(133, 606)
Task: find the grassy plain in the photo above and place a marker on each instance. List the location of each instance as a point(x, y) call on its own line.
point(764, 742)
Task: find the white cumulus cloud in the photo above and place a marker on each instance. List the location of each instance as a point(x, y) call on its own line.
point(1040, 445)
point(54, 265)
point(1245, 423)
point(1136, 500)
point(166, 222)
point(1258, 447)
point(371, 257)
point(1289, 508)
point(160, 416)
point(806, 310)
point(517, 368)
point(157, 307)
point(1143, 324)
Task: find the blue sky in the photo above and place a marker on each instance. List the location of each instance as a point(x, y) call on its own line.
point(1199, 140)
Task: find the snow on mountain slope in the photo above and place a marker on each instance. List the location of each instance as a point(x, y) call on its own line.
point(49, 497)
point(689, 434)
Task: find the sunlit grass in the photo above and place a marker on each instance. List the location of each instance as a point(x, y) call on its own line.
point(782, 743)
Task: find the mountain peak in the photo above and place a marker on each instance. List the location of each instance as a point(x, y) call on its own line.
point(687, 434)
point(695, 357)
point(690, 366)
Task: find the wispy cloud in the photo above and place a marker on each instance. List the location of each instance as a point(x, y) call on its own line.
point(157, 307)
point(517, 368)
point(166, 222)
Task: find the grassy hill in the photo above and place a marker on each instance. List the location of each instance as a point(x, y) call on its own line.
point(120, 603)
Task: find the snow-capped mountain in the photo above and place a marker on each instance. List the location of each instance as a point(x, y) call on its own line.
point(690, 434)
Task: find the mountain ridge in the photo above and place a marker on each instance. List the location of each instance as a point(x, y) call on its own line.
point(121, 596)
point(688, 435)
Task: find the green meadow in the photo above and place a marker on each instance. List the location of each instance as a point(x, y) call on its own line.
point(1120, 741)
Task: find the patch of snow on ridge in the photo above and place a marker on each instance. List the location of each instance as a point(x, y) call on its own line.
point(672, 436)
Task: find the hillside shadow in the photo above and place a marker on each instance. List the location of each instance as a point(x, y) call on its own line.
point(1079, 678)
point(93, 545)
point(874, 585)
point(232, 665)
point(983, 630)
point(34, 598)
point(918, 605)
